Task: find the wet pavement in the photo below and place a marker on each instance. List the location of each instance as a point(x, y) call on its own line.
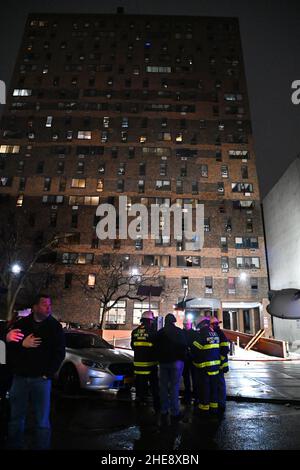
point(263, 413)
point(264, 381)
point(103, 422)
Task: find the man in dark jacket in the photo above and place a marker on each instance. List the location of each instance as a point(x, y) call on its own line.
point(171, 350)
point(224, 350)
point(145, 360)
point(34, 361)
point(189, 373)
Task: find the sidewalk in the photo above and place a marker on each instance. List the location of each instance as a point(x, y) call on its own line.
point(256, 377)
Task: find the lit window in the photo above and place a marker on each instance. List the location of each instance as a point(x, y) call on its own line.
point(179, 137)
point(49, 121)
point(91, 280)
point(20, 200)
point(100, 185)
point(87, 135)
point(22, 92)
point(9, 148)
point(143, 139)
point(78, 183)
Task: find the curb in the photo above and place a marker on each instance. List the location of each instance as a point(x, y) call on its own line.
point(276, 401)
point(266, 360)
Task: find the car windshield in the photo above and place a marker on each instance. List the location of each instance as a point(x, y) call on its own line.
point(83, 341)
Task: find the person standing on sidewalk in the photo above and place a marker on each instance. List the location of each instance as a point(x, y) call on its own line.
point(224, 351)
point(171, 349)
point(34, 361)
point(189, 373)
point(145, 360)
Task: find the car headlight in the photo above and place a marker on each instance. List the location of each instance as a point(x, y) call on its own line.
point(93, 364)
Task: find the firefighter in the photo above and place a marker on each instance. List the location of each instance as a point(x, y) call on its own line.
point(205, 349)
point(145, 360)
point(224, 350)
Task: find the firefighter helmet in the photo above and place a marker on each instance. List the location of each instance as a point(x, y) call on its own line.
point(148, 314)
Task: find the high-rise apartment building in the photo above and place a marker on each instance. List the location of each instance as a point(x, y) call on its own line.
point(154, 108)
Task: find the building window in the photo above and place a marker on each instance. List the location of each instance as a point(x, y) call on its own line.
point(231, 285)
point(78, 183)
point(242, 188)
point(53, 218)
point(220, 187)
point(224, 244)
point(140, 307)
point(91, 282)
point(185, 283)
point(101, 168)
point(141, 186)
point(158, 69)
point(100, 185)
point(20, 200)
point(179, 186)
point(131, 152)
point(166, 136)
point(85, 135)
point(47, 184)
point(106, 122)
point(49, 121)
point(179, 137)
point(22, 92)
point(163, 185)
point(142, 139)
point(228, 225)
point(188, 261)
point(80, 166)
point(254, 284)
point(206, 224)
point(249, 225)
point(208, 285)
point(120, 186)
point(142, 169)
point(195, 188)
point(224, 264)
point(139, 244)
point(245, 262)
point(224, 171)
point(116, 314)
point(84, 200)
point(239, 242)
point(239, 154)
point(244, 171)
point(9, 148)
point(121, 169)
point(163, 169)
point(204, 171)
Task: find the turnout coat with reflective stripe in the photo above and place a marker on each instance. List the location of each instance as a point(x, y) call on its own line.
point(205, 349)
point(143, 345)
point(224, 350)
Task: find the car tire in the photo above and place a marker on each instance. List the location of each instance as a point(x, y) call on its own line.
point(69, 379)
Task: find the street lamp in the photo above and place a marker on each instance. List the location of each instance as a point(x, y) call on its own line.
point(16, 268)
point(243, 276)
point(134, 272)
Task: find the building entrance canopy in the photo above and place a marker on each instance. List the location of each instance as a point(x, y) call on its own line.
point(198, 303)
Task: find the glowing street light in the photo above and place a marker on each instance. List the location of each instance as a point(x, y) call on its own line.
point(243, 276)
point(16, 268)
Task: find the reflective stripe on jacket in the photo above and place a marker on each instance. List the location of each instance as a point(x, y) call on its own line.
point(142, 343)
point(205, 349)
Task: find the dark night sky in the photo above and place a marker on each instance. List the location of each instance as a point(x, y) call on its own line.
point(270, 33)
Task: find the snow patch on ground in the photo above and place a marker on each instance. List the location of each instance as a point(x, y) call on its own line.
point(240, 353)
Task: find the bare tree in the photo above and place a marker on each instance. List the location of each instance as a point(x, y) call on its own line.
point(113, 282)
point(19, 252)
